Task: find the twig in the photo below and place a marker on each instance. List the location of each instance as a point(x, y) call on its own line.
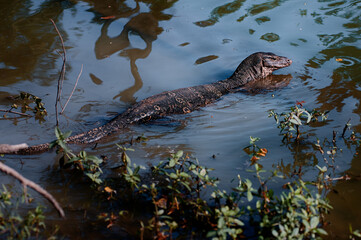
point(36, 187)
point(61, 76)
point(19, 113)
point(72, 92)
point(345, 177)
point(345, 128)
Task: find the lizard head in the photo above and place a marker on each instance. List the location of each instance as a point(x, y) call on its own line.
point(260, 65)
point(272, 62)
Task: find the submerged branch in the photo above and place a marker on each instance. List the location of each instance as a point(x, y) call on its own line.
point(19, 113)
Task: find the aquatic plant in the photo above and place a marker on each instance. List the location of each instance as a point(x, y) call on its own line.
point(14, 225)
point(296, 117)
point(88, 164)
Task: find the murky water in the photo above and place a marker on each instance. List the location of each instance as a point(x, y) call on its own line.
point(134, 49)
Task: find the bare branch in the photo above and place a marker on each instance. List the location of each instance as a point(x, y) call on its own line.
point(19, 113)
point(26, 182)
point(62, 74)
point(72, 92)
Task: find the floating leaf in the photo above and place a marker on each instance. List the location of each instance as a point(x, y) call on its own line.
point(270, 37)
point(205, 59)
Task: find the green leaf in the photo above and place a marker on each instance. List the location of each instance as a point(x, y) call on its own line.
point(203, 172)
point(323, 232)
point(67, 134)
point(238, 222)
point(258, 204)
point(253, 140)
point(172, 162)
point(173, 175)
point(74, 159)
point(314, 222)
point(53, 144)
point(274, 233)
point(186, 185)
point(307, 225)
point(129, 170)
point(185, 175)
point(249, 196)
point(211, 234)
point(309, 117)
point(82, 154)
point(127, 159)
point(295, 120)
point(179, 154)
point(323, 169)
point(95, 159)
point(57, 133)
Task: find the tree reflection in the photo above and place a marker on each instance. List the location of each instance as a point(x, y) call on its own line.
point(345, 198)
point(341, 49)
point(25, 37)
point(345, 79)
point(145, 25)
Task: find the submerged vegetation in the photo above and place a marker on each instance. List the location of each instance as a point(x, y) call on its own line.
point(13, 225)
point(27, 102)
point(179, 198)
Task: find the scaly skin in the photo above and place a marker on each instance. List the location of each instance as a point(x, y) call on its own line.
point(181, 101)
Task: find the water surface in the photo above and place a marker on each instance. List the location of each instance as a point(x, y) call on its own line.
point(131, 50)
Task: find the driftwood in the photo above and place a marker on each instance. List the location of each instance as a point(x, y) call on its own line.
point(10, 148)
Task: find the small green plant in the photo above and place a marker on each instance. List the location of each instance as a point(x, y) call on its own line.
point(296, 214)
point(130, 174)
point(15, 226)
point(172, 197)
point(292, 120)
point(354, 234)
point(175, 194)
point(88, 164)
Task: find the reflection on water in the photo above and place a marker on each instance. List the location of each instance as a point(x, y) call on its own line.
point(221, 11)
point(144, 25)
point(25, 37)
point(256, 9)
point(345, 78)
point(271, 82)
point(321, 37)
point(345, 196)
